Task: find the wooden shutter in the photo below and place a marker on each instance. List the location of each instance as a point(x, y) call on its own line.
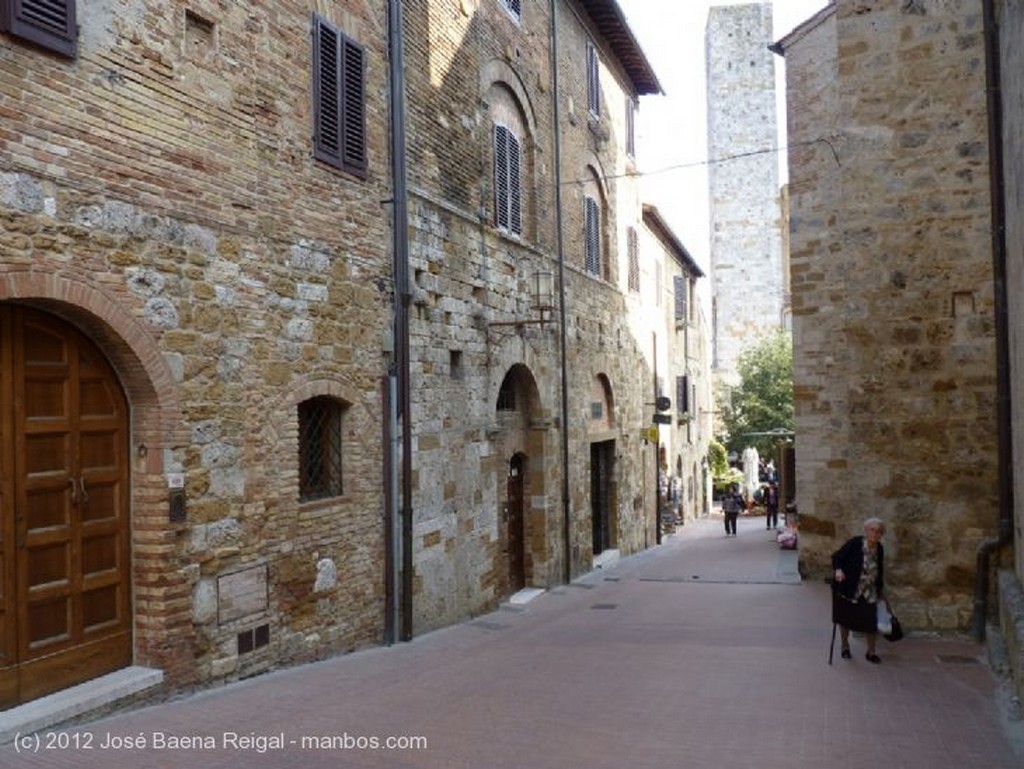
point(679, 289)
point(507, 183)
point(682, 394)
point(630, 127)
point(515, 212)
point(593, 81)
point(338, 99)
point(592, 237)
point(48, 23)
point(633, 249)
point(501, 177)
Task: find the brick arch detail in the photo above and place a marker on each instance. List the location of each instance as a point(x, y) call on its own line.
point(130, 346)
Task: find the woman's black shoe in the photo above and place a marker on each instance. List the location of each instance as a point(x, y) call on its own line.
point(872, 658)
point(846, 654)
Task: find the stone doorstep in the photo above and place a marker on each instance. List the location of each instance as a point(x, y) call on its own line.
point(525, 595)
point(70, 703)
point(606, 558)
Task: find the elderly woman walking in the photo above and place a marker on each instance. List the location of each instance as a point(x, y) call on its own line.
point(858, 585)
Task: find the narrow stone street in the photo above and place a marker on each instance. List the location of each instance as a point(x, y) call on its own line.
point(704, 653)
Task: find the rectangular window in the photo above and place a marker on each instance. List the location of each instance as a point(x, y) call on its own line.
point(630, 127)
point(47, 23)
point(320, 449)
point(508, 214)
point(339, 93)
point(633, 248)
point(679, 286)
point(592, 235)
point(514, 7)
point(682, 395)
point(593, 81)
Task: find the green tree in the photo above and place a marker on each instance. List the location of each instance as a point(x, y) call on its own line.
point(763, 400)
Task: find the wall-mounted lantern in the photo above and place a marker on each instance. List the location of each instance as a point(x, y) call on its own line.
point(542, 300)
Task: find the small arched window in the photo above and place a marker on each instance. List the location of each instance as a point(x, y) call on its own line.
point(320, 448)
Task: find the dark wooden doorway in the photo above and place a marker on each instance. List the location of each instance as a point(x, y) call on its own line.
point(516, 523)
point(65, 594)
point(602, 460)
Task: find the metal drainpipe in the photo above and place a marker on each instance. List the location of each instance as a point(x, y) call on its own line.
point(566, 512)
point(1004, 435)
point(402, 297)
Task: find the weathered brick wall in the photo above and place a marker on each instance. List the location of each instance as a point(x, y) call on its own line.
point(892, 295)
point(159, 192)
point(743, 181)
point(467, 275)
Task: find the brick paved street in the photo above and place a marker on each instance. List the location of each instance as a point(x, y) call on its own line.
point(704, 653)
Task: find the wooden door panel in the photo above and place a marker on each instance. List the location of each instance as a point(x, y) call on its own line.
point(65, 605)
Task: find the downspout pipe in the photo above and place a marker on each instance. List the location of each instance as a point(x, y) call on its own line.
point(1004, 434)
point(560, 245)
point(402, 299)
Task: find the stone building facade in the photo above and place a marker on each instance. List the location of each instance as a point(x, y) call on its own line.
point(198, 303)
point(748, 272)
point(520, 172)
point(192, 309)
point(894, 307)
point(676, 321)
point(1010, 19)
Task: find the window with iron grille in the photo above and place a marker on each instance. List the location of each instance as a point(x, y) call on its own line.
point(592, 235)
point(593, 81)
point(339, 110)
point(320, 450)
point(633, 248)
point(514, 7)
point(47, 23)
point(507, 181)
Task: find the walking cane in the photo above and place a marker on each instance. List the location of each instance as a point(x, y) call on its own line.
point(832, 646)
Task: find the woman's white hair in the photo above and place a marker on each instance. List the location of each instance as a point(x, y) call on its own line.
point(875, 522)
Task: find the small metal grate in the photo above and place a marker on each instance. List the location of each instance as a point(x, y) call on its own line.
point(319, 449)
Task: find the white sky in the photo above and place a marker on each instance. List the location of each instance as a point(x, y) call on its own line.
point(671, 128)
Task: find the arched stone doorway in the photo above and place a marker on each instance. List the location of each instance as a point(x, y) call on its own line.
point(521, 438)
point(127, 413)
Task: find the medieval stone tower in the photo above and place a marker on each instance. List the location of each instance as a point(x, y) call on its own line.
point(747, 266)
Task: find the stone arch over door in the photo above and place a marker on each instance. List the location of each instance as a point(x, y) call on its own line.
point(521, 443)
point(110, 345)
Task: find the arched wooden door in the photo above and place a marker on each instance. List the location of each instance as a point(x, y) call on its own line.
point(516, 523)
point(65, 595)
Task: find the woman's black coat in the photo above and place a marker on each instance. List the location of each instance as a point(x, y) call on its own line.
point(850, 558)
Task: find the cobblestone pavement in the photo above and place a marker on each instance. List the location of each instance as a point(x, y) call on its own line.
point(702, 653)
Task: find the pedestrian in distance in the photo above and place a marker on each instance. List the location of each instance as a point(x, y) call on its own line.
point(771, 506)
point(858, 584)
point(731, 506)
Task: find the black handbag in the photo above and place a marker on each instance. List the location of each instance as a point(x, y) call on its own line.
point(897, 630)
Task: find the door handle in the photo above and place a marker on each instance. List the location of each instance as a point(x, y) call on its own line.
point(78, 493)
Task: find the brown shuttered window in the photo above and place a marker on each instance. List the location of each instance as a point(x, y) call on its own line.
point(339, 99)
point(47, 23)
point(682, 394)
point(507, 182)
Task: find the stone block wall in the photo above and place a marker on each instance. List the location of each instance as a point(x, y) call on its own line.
point(894, 352)
point(476, 64)
point(748, 273)
point(159, 193)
